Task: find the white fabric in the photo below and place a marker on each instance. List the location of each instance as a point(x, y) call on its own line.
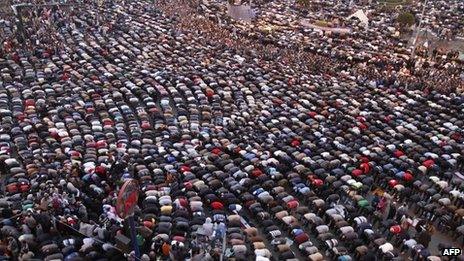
point(386, 247)
point(410, 243)
point(361, 16)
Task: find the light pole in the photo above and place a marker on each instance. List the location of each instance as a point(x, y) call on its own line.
point(414, 42)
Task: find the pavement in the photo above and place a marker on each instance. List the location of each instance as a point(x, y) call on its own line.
point(341, 30)
point(436, 42)
point(437, 237)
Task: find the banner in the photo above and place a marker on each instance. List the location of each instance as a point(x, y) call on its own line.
point(240, 12)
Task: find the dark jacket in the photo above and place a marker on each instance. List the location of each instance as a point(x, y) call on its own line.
point(424, 238)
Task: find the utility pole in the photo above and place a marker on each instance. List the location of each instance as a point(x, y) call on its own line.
point(17, 11)
point(5, 10)
point(414, 42)
point(5, 7)
point(21, 35)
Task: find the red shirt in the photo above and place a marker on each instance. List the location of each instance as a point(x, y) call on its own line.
point(216, 151)
point(24, 187)
point(217, 205)
point(428, 163)
point(366, 168)
point(16, 57)
point(317, 182)
point(148, 224)
point(292, 204)
point(356, 172)
point(256, 173)
point(100, 170)
point(21, 117)
point(145, 125)
point(55, 135)
point(183, 202)
point(29, 102)
point(296, 143)
point(408, 176)
point(7, 46)
point(396, 229)
point(108, 122)
point(456, 136)
point(65, 77)
point(301, 238)
point(188, 185)
point(364, 159)
point(101, 144)
point(185, 168)
point(387, 118)
point(393, 183)
point(398, 153)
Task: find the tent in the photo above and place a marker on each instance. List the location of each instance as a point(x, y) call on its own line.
point(240, 12)
point(361, 16)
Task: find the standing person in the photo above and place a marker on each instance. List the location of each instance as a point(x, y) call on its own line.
point(424, 238)
point(391, 211)
point(165, 249)
point(117, 169)
point(401, 211)
point(3, 167)
point(383, 207)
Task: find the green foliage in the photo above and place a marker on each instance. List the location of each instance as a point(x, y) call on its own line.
point(406, 19)
point(387, 8)
point(304, 3)
point(322, 23)
point(393, 3)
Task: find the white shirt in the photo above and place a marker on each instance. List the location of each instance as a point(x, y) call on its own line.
point(386, 247)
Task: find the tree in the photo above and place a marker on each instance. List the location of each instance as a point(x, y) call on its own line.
point(304, 3)
point(406, 19)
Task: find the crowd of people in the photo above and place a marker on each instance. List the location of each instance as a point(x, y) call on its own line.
point(246, 145)
point(380, 45)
